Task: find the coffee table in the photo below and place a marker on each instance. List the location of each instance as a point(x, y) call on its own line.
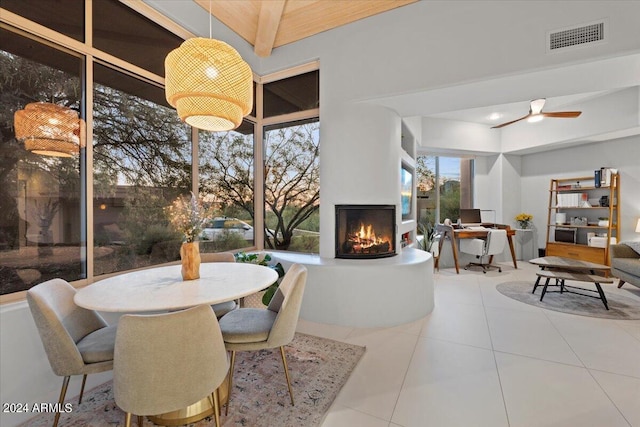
point(561, 269)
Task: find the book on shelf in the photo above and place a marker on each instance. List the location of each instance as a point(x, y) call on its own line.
point(572, 200)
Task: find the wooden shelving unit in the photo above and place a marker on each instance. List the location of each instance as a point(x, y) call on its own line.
point(576, 188)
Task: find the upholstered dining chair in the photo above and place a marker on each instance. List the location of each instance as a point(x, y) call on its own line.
point(492, 245)
point(249, 329)
point(166, 362)
point(77, 341)
point(224, 307)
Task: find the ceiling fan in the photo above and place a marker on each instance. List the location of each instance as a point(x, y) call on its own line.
point(536, 113)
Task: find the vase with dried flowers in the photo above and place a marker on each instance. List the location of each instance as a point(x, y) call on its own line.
point(188, 216)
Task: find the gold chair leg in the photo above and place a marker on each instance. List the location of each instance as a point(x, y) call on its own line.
point(216, 407)
point(63, 392)
point(140, 420)
point(230, 383)
point(286, 373)
point(84, 381)
point(127, 420)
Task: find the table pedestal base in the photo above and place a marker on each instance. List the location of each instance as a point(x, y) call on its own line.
point(192, 413)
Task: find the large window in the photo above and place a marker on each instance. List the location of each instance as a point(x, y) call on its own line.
point(292, 186)
point(41, 232)
point(227, 182)
point(101, 210)
point(141, 163)
point(445, 185)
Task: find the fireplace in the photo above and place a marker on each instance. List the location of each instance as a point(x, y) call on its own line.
point(365, 231)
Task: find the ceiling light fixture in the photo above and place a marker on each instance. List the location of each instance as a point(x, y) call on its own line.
point(208, 83)
point(494, 116)
point(49, 129)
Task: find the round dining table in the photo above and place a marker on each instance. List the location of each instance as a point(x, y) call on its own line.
point(162, 289)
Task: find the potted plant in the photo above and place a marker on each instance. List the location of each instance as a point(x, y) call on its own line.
point(603, 221)
point(524, 220)
point(263, 259)
point(430, 236)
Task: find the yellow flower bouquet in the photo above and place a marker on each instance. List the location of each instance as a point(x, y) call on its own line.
point(524, 220)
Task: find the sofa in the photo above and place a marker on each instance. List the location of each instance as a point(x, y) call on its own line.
point(625, 263)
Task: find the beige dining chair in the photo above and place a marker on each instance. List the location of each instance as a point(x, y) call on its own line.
point(77, 341)
point(166, 362)
point(224, 307)
point(249, 329)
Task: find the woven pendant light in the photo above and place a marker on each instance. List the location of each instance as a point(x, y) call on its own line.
point(209, 84)
point(49, 129)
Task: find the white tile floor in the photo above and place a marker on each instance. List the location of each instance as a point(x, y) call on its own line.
point(482, 359)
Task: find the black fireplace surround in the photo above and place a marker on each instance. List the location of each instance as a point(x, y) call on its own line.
point(365, 231)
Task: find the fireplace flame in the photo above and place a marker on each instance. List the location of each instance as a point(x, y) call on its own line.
point(366, 238)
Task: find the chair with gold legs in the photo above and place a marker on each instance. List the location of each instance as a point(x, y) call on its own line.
point(166, 362)
point(77, 341)
point(249, 329)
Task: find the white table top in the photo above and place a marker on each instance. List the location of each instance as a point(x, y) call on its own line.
point(162, 288)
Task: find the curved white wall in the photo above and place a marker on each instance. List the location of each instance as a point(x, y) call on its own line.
point(365, 293)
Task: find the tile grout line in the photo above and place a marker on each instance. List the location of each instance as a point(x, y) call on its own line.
point(493, 353)
point(586, 368)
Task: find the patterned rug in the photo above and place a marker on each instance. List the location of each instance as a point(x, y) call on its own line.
point(318, 367)
point(620, 307)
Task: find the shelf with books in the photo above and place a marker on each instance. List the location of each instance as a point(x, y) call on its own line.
point(583, 218)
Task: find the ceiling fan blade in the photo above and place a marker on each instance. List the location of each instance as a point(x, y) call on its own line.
point(511, 122)
point(562, 114)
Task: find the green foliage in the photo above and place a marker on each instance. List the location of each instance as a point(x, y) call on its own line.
point(429, 233)
point(263, 259)
point(307, 243)
point(227, 241)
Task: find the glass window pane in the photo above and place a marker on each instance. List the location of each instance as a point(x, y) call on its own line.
point(42, 233)
point(292, 186)
point(227, 182)
point(445, 184)
point(122, 32)
point(142, 162)
point(63, 16)
point(293, 94)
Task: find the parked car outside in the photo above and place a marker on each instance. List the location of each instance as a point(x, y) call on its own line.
point(220, 225)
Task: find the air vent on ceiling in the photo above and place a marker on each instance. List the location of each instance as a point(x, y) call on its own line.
point(576, 36)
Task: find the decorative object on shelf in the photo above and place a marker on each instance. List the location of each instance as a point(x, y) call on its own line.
point(561, 218)
point(604, 201)
point(208, 83)
point(603, 221)
point(188, 216)
point(50, 129)
point(524, 220)
point(579, 221)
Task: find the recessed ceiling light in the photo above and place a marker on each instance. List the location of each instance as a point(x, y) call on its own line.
point(495, 116)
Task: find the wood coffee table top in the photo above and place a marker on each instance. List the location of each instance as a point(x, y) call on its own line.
point(567, 263)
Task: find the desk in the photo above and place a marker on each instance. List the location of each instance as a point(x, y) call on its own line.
point(162, 288)
point(447, 231)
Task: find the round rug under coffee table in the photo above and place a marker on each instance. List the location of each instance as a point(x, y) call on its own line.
point(620, 307)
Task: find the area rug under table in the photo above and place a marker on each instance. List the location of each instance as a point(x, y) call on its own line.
point(319, 368)
point(620, 306)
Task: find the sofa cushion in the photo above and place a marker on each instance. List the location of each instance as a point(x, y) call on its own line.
point(628, 265)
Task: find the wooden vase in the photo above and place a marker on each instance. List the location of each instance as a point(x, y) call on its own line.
point(190, 256)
